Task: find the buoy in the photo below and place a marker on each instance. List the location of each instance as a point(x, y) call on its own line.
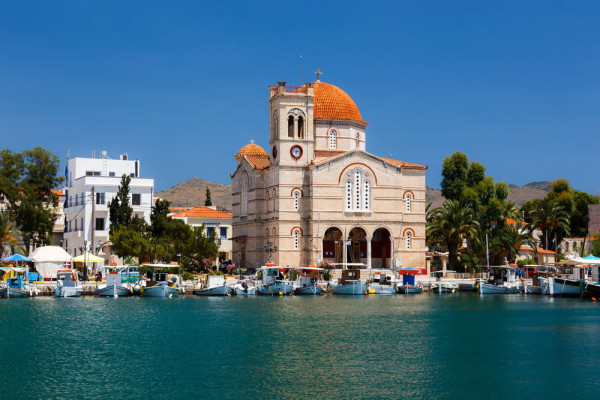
point(593, 299)
point(365, 292)
point(372, 291)
point(281, 294)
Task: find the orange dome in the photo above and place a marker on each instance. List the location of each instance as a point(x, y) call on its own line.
point(331, 102)
point(251, 150)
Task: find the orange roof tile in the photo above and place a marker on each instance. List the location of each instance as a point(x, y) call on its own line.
point(259, 161)
point(251, 150)
point(202, 212)
point(404, 164)
point(331, 102)
point(57, 192)
point(539, 250)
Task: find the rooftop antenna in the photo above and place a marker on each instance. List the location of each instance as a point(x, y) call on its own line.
point(300, 69)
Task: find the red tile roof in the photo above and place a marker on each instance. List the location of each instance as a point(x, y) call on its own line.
point(57, 192)
point(404, 164)
point(202, 212)
point(539, 250)
point(259, 161)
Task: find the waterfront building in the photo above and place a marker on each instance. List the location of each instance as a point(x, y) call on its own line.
point(91, 185)
point(594, 224)
point(318, 194)
point(213, 220)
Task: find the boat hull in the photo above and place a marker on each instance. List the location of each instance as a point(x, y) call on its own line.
point(444, 288)
point(591, 290)
point(275, 289)
point(312, 290)
point(404, 289)
point(110, 291)
point(382, 289)
point(14, 292)
point(486, 288)
point(216, 291)
point(470, 286)
point(160, 291)
point(559, 287)
point(69, 291)
point(350, 289)
point(251, 291)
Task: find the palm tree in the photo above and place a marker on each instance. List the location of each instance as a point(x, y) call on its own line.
point(509, 239)
point(8, 234)
point(451, 224)
point(548, 215)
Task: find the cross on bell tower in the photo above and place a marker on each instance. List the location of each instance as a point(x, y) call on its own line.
point(318, 73)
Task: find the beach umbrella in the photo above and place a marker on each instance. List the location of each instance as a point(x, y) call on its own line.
point(591, 260)
point(16, 257)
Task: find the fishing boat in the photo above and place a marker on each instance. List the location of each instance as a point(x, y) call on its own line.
point(350, 284)
point(245, 288)
point(157, 283)
point(68, 284)
point(382, 282)
point(590, 290)
point(19, 285)
point(501, 279)
point(408, 285)
point(270, 281)
point(444, 287)
point(538, 279)
point(215, 286)
point(568, 281)
point(114, 286)
point(468, 285)
point(307, 281)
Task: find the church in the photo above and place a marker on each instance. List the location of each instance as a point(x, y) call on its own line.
point(319, 195)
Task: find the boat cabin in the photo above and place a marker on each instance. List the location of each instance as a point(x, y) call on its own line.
point(350, 276)
point(269, 275)
point(15, 283)
point(68, 277)
point(574, 272)
point(214, 281)
point(502, 274)
point(113, 278)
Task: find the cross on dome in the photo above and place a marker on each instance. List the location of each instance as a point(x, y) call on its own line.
point(252, 141)
point(318, 73)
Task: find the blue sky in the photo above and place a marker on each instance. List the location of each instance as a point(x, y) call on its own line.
point(182, 85)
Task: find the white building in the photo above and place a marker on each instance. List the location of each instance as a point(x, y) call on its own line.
point(213, 220)
point(101, 176)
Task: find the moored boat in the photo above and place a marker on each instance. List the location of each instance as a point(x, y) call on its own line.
point(158, 284)
point(350, 284)
point(113, 287)
point(306, 283)
point(382, 282)
point(408, 285)
point(270, 282)
point(68, 284)
point(215, 286)
point(444, 287)
point(501, 279)
point(244, 288)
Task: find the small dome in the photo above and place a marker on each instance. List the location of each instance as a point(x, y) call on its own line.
point(251, 150)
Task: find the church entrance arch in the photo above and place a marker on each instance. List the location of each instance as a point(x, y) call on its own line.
point(381, 255)
point(357, 246)
point(332, 245)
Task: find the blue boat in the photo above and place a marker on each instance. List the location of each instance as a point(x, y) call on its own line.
point(270, 282)
point(215, 286)
point(18, 287)
point(350, 284)
point(114, 286)
point(157, 283)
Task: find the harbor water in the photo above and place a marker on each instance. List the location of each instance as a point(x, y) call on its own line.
point(460, 346)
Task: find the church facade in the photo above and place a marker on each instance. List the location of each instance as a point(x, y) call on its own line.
point(319, 195)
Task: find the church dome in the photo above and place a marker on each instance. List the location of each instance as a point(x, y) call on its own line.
point(251, 150)
point(331, 102)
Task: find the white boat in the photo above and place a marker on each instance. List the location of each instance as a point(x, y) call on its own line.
point(68, 284)
point(382, 282)
point(537, 282)
point(269, 281)
point(113, 287)
point(244, 288)
point(307, 281)
point(157, 282)
point(502, 279)
point(444, 287)
point(350, 284)
point(215, 286)
point(567, 283)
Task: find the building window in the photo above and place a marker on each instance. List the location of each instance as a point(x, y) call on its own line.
point(76, 199)
point(75, 225)
point(348, 195)
point(367, 195)
point(357, 181)
point(99, 224)
point(332, 139)
point(223, 233)
point(244, 196)
point(81, 220)
point(100, 198)
point(357, 140)
point(296, 239)
point(136, 199)
point(296, 200)
point(408, 240)
point(290, 126)
point(300, 127)
point(92, 173)
point(132, 175)
point(112, 174)
point(408, 199)
point(209, 231)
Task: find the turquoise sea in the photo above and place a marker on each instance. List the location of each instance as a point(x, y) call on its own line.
point(455, 346)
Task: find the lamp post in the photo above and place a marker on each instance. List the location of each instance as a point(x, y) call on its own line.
point(270, 248)
point(84, 249)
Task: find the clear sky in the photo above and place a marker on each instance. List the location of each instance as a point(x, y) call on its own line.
point(182, 85)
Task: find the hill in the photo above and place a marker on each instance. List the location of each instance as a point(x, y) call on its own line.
point(193, 193)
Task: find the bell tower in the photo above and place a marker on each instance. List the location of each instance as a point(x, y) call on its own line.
point(291, 141)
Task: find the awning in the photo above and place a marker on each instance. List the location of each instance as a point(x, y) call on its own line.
point(88, 257)
point(15, 257)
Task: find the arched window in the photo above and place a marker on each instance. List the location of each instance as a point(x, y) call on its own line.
point(408, 199)
point(408, 240)
point(244, 199)
point(357, 140)
point(367, 195)
point(296, 200)
point(348, 195)
point(274, 232)
point(291, 126)
point(333, 139)
point(300, 127)
point(268, 200)
point(296, 239)
point(357, 184)
point(274, 200)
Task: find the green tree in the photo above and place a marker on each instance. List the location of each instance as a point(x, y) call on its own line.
point(208, 201)
point(158, 218)
point(549, 217)
point(508, 240)
point(449, 225)
point(120, 212)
